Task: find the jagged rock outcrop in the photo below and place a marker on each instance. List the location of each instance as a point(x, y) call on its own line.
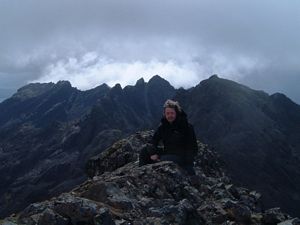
point(161, 193)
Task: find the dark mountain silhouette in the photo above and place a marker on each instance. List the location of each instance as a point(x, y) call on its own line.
point(40, 104)
point(257, 136)
point(49, 131)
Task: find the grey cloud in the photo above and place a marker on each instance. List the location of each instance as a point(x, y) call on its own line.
point(276, 79)
point(245, 41)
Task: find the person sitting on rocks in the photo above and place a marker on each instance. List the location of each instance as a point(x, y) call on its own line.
point(178, 139)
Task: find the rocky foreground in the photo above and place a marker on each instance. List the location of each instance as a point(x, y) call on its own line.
point(122, 193)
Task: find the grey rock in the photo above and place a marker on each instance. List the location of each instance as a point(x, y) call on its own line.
point(274, 216)
point(160, 193)
point(294, 221)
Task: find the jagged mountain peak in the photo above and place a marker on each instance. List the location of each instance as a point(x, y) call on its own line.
point(101, 88)
point(216, 82)
point(104, 85)
point(63, 83)
point(157, 80)
point(116, 90)
point(283, 99)
point(220, 90)
point(32, 90)
point(214, 76)
point(117, 86)
point(140, 82)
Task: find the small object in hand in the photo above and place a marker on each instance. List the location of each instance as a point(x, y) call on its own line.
point(154, 157)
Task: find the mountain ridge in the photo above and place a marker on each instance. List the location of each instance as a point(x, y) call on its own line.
point(256, 134)
point(252, 132)
point(77, 125)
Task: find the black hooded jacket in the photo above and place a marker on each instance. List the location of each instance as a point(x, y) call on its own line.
point(178, 138)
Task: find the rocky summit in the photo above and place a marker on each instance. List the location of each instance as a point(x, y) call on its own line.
point(120, 192)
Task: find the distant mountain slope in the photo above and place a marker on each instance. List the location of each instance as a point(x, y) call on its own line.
point(256, 134)
point(43, 103)
point(49, 131)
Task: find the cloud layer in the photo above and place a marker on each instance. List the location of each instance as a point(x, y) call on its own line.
point(92, 42)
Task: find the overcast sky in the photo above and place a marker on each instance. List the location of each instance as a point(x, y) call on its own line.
point(90, 42)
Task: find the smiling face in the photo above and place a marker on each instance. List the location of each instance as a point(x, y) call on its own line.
point(170, 114)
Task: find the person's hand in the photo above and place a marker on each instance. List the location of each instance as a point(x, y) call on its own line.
point(154, 157)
